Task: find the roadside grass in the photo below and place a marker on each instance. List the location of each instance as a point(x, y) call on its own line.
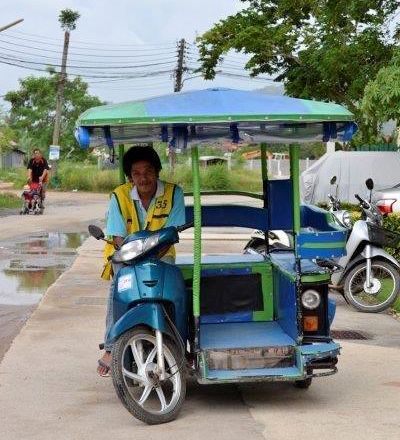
point(17, 176)
point(216, 177)
point(86, 178)
point(8, 200)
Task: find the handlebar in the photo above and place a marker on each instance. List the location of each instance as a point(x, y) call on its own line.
point(185, 226)
point(363, 203)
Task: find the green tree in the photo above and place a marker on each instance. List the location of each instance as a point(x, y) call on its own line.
point(381, 101)
point(68, 19)
point(33, 109)
point(321, 49)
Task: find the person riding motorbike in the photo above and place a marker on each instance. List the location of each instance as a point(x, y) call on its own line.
point(144, 202)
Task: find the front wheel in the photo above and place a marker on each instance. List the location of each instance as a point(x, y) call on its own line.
point(383, 291)
point(136, 380)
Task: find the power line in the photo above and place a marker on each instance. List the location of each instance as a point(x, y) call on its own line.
point(2, 56)
point(126, 76)
point(90, 43)
point(85, 54)
point(78, 61)
point(171, 46)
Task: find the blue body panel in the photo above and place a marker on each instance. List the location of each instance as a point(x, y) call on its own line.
point(150, 282)
point(285, 303)
point(231, 215)
point(316, 245)
point(280, 207)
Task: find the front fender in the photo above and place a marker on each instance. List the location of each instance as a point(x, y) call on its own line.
point(376, 252)
point(147, 313)
point(379, 252)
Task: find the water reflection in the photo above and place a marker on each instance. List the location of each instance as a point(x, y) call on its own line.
point(30, 265)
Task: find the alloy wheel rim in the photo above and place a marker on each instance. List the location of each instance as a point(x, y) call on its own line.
point(141, 376)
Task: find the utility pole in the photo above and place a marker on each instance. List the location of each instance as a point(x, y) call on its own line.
point(60, 90)
point(180, 66)
point(3, 28)
point(67, 19)
point(178, 74)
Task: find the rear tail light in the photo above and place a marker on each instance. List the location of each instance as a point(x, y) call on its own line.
point(386, 205)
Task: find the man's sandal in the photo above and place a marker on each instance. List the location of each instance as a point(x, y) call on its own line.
point(106, 367)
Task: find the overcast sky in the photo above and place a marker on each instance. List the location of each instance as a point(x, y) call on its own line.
point(110, 25)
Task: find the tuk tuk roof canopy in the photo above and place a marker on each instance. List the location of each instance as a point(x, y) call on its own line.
point(215, 114)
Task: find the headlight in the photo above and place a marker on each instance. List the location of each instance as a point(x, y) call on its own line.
point(131, 250)
point(311, 299)
point(134, 248)
point(346, 219)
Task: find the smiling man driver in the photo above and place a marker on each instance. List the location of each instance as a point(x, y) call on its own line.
point(144, 202)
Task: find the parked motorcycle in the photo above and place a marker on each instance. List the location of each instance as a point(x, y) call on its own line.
point(276, 240)
point(369, 277)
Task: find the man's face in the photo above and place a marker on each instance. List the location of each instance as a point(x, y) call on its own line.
point(144, 177)
point(37, 154)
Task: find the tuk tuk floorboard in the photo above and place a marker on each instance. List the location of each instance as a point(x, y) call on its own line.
point(243, 335)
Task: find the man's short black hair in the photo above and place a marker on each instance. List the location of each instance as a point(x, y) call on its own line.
point(137, 154)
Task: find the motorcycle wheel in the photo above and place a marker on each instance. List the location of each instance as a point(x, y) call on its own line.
point(383, 292)
point(133, 371)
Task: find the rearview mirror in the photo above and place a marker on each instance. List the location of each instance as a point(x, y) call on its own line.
point(333, 180)
point(370, 184)
point(96, 232)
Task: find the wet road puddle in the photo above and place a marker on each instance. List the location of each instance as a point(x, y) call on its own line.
point(29, 265)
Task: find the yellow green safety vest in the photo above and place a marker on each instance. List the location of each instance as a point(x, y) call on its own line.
point(156, 217)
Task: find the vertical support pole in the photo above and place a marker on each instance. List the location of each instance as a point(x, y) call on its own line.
point(295, 178)
point(264, 174)
point(264, 166)
point(121, 151)
point(197, 232)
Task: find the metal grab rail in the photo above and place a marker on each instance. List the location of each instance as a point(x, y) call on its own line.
point(228, 193)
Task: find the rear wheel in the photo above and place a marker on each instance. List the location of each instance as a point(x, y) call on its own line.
point(305, 383)
point(136, 380)
point(383, 291)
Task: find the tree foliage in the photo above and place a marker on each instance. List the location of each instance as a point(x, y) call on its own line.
point(33, 109)
point(7, 134)
point(68, 19)
point(381, 101)
point(321, 49)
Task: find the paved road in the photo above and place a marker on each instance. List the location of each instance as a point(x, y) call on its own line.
point(49, 388)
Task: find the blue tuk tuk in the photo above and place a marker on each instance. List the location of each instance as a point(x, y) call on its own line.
point(224, 318)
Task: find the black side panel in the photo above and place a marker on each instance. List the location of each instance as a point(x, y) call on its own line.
point(230, 294)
